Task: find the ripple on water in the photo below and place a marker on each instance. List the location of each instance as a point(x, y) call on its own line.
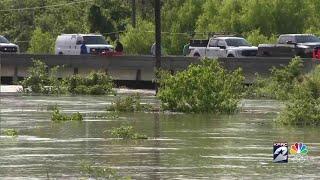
point(186, 147)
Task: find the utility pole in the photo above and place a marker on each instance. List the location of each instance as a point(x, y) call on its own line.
point(158, 39)
point(133, 15)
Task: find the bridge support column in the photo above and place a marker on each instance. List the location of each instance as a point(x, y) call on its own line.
point(138, 75)
point(15, 75)
point(75, 71)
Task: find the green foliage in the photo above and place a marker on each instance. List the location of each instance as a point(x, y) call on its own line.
point(204, 88)
point(41, 42)
point(280, 84)
point(97, 172)
point(179, 16)
point(108, 15)
point(129, 104)
point(303, 106)
point(40, 81)
point(126, 132)
point(68, 18)
point(57, 116)
point(256, 38)
point(96, 83)
point(107, 116)
point(137, 40)
point(52, 107)
point(272, 17)
point(10, 132)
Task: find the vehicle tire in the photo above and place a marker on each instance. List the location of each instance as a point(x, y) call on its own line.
point(230, 55)
point(60, 53)
point(196, 55)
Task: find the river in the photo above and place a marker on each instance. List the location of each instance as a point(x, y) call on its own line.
point(180, 146)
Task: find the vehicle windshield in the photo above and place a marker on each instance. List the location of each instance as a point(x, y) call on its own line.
point(3, 40)
point(94, 40)
point(306, 39)
point(237, 42)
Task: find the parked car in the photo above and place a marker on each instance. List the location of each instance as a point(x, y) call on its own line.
point(222, 47)
point(291, 45)
point(7, 47)
point(70, 44)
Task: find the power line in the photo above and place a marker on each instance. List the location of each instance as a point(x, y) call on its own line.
point(49, 6)
point(2, 1)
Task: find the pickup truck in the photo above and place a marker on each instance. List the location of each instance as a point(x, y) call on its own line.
point(291, 45)
point(7, 47)
point(222, 47)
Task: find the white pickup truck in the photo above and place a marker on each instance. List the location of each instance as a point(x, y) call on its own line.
point(223, 47)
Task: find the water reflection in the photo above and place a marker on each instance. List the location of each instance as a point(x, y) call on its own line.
point(180, 146)
point(157, 145)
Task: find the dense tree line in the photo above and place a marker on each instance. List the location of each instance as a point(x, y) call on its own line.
point(31, 22)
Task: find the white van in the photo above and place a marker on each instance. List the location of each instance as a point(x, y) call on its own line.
point(70, 44)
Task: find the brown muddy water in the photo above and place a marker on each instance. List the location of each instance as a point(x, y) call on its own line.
point(181, 146)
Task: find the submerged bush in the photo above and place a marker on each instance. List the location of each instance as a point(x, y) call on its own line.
point(128, 104)
point(126, 132)
point(204, 88)
point(97, 172)
point(280, 84)
point(57, 116)
point(40, 81)
point(52, 107)
point(106, 116)
point(96, 83)
point(10, 132)
point(303, 106)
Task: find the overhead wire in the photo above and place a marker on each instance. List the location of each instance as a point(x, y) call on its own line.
point(48, 6)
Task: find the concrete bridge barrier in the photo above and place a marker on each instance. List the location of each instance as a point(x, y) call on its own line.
point(132, 69)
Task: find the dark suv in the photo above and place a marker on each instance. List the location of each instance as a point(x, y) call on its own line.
point(290, 45)
point(7, 47)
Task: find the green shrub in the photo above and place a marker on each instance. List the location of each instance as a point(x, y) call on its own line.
point(57, 116)
point(256, 38)
point(76, 117)
point(107, 116)
point(40, 81)
point(204, 88)
point(126, 132)
point(10, 132)
point(129, 104)
point(51, 107)
point(96, 83)
point(303, 106)
point(132, 41)
point(97, 172)
point(280, 84)
point(41, 42)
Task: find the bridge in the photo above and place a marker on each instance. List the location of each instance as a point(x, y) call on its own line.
point(132, 71)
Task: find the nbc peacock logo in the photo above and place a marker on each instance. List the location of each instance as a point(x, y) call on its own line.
point(298, 153)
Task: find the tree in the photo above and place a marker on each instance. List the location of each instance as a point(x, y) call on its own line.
point(97, 22)
point(138, 40)
point(41, 42)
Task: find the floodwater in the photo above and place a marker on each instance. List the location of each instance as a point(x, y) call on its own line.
point(180, 146)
